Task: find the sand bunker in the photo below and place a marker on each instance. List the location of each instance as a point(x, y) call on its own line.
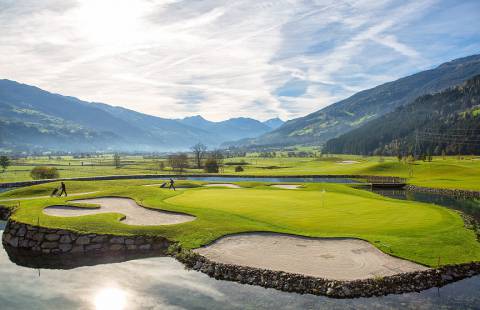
point(347, 162)
point(338, 259)
point(286, 186)
point(135, 214)
point(222, 185)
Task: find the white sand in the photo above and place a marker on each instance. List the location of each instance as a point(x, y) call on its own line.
point(222, 185)
point(338, 259)
point(38, 197)
point(135, 214)
point(347, 162)
point(286, 186)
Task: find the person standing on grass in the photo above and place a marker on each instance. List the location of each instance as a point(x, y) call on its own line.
point(172, 184)
point(63, 189)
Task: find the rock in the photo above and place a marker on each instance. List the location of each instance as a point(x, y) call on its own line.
point(21, 231)
point(117, 240)
point(197, 265)
point(99, 239)
point(129, 241)
point(82, 240)
point(52, 237)
point(117, 247)
point(49, 245)
point(65, 239)
point(144, 247)
point(77, 249)
point(93, 247)
point(13, 242)
point(38, 236)
point(65, 247)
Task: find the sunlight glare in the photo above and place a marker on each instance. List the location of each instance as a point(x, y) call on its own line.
point(110, 21)
point(110, 299)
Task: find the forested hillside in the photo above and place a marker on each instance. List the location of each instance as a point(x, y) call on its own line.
point(353, 112)
point(443, 123)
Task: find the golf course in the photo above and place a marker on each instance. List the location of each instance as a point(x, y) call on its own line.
point(426, 234)
point(451, 172)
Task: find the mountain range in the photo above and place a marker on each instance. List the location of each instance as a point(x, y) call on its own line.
point(447, 122)
point(345, 115)
point(32, 119)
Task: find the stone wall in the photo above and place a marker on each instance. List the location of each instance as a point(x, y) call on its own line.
point(397, 284)
point(58, 241)
point(5, 213)
point(457, 193)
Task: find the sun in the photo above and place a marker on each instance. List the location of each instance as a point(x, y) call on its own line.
point(110, 299)
point(109, 21)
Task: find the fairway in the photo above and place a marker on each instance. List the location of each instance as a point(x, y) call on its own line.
point(423, 233)
point(443, 172)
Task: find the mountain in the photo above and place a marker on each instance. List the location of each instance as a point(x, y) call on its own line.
point(274, 123)
point(351, 113)
point(32, 119)
point(447, 122)
point(231, 129)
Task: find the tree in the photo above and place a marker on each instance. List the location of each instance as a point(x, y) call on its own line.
point(4, 162)
point(211, 165)
point(178, 162)
point(199, 151)
point(238, 169)
point(219, 158)
point(43, 172)
point(116, 160)
point(161, 166)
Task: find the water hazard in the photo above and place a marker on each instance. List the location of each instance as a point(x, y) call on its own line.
point(163, 283)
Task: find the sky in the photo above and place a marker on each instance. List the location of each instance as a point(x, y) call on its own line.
point(223, 59)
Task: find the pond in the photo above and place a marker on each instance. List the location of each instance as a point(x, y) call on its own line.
point(163, 283)
point(467, 206)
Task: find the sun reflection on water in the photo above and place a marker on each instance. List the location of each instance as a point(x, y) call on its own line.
point(110, 298)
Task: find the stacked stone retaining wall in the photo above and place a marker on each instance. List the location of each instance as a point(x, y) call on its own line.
point(396, 284)
point(457, 193)
point(59, 241)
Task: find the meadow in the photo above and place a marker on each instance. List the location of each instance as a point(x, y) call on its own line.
point(423, 233)
point(442, 172)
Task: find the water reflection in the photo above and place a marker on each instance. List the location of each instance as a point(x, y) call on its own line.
point(468, 206)
point(110, 298)
point(163, 283)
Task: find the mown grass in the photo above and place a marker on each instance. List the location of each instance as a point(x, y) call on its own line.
point(420, 232)
point(450, 172)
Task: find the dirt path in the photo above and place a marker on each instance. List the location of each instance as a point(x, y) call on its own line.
point(135, 214)
point(39, 197)
point(339, 259)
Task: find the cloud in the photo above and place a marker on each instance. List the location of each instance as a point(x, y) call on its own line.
point(225, 59)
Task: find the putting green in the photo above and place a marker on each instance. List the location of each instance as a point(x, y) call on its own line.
point(423, 233)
